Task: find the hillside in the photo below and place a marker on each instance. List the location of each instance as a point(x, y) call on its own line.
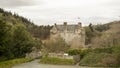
point(103, 35)
point(41, 32)
point(18, 36)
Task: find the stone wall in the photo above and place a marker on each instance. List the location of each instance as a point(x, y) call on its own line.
point(60, 55)
point(34, 54)
point(75, 38)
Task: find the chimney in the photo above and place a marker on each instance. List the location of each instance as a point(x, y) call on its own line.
point(55, 24)
point(65, 23)
point(79, 24)
point(65, 26)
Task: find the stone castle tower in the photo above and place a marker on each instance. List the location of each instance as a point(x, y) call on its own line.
point(74, 35)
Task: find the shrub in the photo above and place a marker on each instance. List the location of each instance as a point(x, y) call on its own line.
point(98, 59)
point(116, 52)
point(85, 52)
point(80, 52)
point(109, 61)
point(102, 27)
point(103, 50)
point(74, 52)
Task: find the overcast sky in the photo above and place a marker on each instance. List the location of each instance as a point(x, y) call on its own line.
point(44, 12)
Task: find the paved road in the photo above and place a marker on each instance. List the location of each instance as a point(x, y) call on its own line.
point(35, 64)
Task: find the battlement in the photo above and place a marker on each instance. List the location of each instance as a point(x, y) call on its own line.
point(66, 27)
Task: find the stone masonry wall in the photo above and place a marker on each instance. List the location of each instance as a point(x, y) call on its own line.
point(76, 39)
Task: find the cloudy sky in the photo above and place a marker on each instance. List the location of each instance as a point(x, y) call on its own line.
point(44, 12)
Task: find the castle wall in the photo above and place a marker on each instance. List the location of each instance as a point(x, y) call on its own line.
point(68, 36)
point(73, 39)
point(76, 38)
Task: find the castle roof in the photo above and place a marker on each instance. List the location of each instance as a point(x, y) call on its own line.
point(69, 27)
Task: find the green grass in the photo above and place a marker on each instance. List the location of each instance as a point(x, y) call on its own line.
point(56, 61)
point(10, 63)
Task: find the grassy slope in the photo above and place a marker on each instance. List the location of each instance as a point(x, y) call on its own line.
point(105, 38)
point(10, 63)
point(57, 61)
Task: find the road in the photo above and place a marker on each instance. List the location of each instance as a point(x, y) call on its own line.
point(35, 64)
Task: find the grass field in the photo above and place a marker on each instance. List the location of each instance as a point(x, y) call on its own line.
point(10, 63)
point(57, 61)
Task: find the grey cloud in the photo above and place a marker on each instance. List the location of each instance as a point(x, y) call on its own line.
point(50, 14)
point(113, 3)
point(16, 3)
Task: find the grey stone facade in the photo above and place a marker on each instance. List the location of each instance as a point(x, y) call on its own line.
point(74, 35)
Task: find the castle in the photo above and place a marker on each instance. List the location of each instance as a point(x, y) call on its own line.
point(74, 35)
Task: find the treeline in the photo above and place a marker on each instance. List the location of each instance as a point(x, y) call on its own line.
point(41, 32)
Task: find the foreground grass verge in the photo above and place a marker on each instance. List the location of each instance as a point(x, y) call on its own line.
point(10, 63)
point(57, 61)
point(99, 60)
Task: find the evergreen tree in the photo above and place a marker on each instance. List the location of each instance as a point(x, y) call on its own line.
point(3, 32)
point(91, 28)
point(23, 41)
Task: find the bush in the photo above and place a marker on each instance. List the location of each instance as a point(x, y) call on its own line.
point(58, 61)
point(80, 52)
point(98, 59)
point(74, 52)
point(15, 41)
point(109, 61)
point(116, 52)
point(103, 50)
point(102, 27)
